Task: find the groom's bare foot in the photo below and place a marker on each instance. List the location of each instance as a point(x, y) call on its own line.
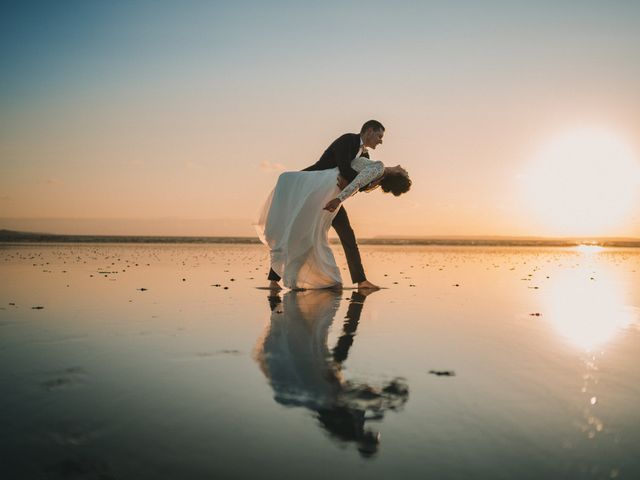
point(273, 285)
point(367, 285)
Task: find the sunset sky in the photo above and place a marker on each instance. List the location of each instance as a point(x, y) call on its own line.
point(170, 118)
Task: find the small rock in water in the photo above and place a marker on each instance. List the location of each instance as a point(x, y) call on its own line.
point(142, 289)
point(37, 307)
point(230, 351)
point(443, 373)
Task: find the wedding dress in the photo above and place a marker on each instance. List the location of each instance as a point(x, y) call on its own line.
point(293, 224)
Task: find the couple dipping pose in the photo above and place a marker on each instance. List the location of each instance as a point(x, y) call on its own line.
point(295, 220)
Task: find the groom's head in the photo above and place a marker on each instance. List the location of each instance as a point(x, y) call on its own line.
point(371, 133)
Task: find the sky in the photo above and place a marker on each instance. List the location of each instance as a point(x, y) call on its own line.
point(169, 118)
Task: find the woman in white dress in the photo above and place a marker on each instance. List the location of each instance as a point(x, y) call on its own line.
point(296, 217)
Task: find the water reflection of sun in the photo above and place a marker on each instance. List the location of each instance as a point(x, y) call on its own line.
point(587, 304)
point(589, 248)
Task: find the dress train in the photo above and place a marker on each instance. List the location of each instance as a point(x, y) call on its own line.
point(293, 224)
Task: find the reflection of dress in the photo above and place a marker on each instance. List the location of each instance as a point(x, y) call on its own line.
point(294, 354)
point(294, 226)
point(294, 357)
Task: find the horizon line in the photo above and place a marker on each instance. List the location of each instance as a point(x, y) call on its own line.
point(13, 236)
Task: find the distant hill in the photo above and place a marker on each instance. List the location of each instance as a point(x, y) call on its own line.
point(13, 236)
point(153, 227)
point(509, 240)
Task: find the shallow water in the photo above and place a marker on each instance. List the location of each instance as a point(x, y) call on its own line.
point(166, 361)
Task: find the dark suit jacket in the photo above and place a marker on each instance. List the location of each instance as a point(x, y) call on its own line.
point(339, 154)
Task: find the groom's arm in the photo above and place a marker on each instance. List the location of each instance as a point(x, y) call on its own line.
point(369, 173)
point(338, 154)
point(344, 149)
point(343, 182)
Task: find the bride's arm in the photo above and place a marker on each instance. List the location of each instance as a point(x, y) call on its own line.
point(369, 172)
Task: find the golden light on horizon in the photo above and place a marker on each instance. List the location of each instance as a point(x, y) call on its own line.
point(589, 249)
point(583, 182)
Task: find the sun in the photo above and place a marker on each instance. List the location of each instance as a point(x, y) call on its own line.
point(583, 183)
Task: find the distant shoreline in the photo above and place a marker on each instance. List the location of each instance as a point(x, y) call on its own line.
point(10, 236)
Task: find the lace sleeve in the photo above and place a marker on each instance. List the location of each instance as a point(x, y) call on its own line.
point(369, 171)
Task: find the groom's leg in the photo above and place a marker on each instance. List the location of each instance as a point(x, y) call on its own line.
point(273, 276)
point(348, 239)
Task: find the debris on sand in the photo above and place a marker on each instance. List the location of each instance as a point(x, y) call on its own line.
point(443, 373)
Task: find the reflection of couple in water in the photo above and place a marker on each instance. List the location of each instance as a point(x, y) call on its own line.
point(296, 216)
point(304, 372)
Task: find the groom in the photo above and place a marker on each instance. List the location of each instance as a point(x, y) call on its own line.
point(339, 154)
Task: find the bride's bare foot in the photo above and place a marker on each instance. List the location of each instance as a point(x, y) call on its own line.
point(273, 285)
point(367, 285)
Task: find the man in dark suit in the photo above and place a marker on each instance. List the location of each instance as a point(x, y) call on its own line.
point(340, 154)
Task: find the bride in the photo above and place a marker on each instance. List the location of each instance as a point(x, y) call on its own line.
point(294, 224)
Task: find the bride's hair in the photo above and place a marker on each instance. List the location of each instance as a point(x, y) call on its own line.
point(395, 183)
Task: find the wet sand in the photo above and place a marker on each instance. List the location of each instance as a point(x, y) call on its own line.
point(167, 361)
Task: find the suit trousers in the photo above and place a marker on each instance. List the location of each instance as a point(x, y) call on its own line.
point(348, 240)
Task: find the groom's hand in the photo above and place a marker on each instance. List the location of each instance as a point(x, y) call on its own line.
point(332, 205)
point(342, 182)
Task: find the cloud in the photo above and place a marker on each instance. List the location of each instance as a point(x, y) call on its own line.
point(53, 181)
point(267, 166)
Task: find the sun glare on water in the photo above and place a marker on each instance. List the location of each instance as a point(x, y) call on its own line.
point(588, 249)
point(588, 305)
point(584, 182)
